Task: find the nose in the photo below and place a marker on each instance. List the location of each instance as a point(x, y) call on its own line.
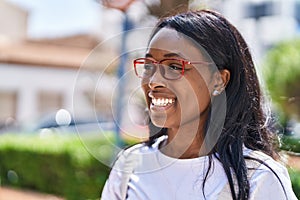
point(157, 80)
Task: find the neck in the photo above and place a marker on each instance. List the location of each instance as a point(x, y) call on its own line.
point(185, 141)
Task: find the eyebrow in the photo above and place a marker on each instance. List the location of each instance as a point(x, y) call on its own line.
point(168, 55)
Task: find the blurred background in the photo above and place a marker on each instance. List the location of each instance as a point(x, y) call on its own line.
point(69, 98)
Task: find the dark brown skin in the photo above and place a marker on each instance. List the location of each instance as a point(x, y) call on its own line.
point(191, 94)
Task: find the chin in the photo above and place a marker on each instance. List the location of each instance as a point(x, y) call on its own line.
point(159, 123)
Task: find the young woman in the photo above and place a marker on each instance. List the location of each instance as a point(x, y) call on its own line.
point(210, 137)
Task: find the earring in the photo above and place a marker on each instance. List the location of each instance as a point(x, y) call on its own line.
point(216, 93)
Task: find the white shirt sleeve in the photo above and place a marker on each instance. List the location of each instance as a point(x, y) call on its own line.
point(112, 187)
point(116, 185)
point(266, 186)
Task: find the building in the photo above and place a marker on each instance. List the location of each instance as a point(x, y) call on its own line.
point(39, 77)
point(16, 26)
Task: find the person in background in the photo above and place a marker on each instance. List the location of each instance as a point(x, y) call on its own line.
point(210, 132)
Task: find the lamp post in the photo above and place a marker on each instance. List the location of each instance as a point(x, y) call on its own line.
point(121, 5)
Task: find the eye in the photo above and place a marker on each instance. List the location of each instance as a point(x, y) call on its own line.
point(175, 66)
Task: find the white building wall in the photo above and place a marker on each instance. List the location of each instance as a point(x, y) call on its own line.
point(28, 81)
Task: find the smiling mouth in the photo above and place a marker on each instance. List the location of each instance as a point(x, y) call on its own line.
point(162, 102)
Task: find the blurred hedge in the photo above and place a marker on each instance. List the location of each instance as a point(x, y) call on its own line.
point(69, 166)
point(295, 178)
point(282, 77)
point(60, 165)
point(290, 143)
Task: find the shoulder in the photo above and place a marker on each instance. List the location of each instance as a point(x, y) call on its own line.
point(269, 178)
point(263, 163)
point(141, 147)
point(133, 156)
point(128, 158)
point(116, 184)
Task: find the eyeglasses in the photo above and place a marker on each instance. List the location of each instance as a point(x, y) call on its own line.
point(170, 69)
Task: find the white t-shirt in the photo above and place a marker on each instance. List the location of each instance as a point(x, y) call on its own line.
point(159, 177)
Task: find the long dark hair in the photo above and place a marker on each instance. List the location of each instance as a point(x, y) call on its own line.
point(246, 122)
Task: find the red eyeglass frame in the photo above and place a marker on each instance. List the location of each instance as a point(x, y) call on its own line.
point(183, 61)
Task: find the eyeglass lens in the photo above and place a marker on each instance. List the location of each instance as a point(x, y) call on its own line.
point(169, 68)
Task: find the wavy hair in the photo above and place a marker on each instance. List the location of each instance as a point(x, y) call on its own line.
point(246, 121)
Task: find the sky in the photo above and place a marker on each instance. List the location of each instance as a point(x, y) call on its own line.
point(56, 18)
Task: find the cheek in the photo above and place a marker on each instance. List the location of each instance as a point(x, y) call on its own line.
point(145, 89)
point(201, 94)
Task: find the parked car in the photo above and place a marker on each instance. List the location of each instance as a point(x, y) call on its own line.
point(63, 122)
point(60, 122)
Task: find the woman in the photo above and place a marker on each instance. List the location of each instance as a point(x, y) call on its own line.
point(210, 137)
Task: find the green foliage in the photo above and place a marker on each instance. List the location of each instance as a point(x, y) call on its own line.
point(68, 166)
point(295, 178)
point(71, 167)
point(282, 76)
point(290, 143)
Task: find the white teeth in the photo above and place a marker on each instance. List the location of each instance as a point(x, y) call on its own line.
point(162, 101)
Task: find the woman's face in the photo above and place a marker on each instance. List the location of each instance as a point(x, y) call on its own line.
point(173, 103)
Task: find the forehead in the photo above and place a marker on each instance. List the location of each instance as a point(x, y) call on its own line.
point(168, 40)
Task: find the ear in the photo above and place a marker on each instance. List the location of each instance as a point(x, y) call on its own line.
point(221, 79)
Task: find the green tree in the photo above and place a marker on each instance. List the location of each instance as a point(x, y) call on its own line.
point(168, 7)
point(156, 8)
point(282, 77)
